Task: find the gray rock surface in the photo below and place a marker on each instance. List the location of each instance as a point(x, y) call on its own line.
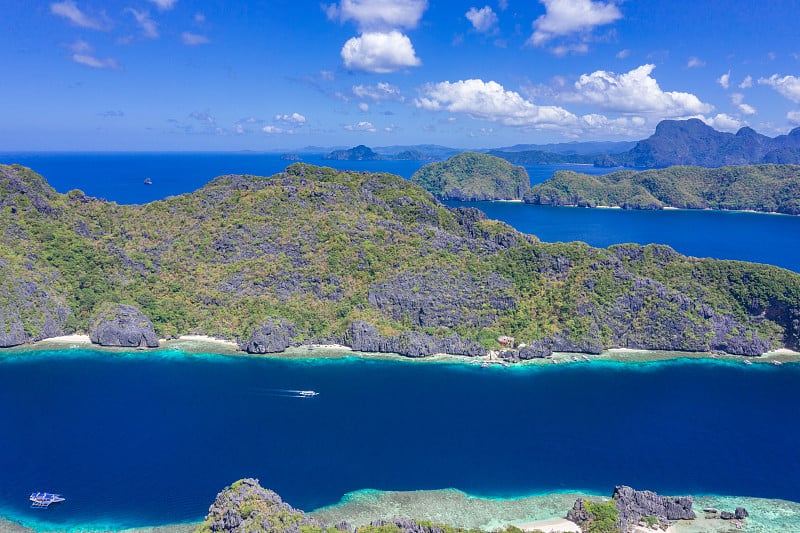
point(245, 506)
point(365, 338)
point(273, 337)
point(122, 325)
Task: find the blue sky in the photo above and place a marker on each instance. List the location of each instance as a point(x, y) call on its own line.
point(284, 74)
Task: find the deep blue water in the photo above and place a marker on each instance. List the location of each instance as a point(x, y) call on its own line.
point(141, 439)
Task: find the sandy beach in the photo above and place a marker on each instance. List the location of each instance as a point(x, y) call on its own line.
point(555, 525)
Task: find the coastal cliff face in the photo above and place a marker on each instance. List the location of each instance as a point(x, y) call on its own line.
point(369, 260)
point(470, 176)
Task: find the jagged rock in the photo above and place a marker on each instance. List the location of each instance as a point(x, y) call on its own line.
point(364, 337)
point(726, 515)
point(578, 513)
point(740, 513)
point(246, 506)
point(273, 337)
point(122, 325)
point(633, 505)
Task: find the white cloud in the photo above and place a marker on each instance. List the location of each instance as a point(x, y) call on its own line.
point(788, 86)
point(380, 91)
point(378, 15)
point(634, 92)
point(272, 130)
point(295, 119)
point(578, 48)
point(490, 101)
point(83, 54)
point(793, 117)
point(746, 83)
point(725, 80)
point(565, 17)
point(483, 20)
point(164, 4)
point(203, 116)
point(363, 106)
point(738, 101)
point(193, 39)
point(361, 126)
point(723, 122)
point(622, 54)
point(379, 52)
point(695, 62)
point(70, 11)
point(147, 24)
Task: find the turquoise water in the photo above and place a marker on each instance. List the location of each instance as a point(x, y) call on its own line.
point(136, 440)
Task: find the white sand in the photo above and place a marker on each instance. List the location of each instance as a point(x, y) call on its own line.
point(69, 339)
point(208, 339)
point(551, 526)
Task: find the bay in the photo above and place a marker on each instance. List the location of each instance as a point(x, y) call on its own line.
point(143, 439)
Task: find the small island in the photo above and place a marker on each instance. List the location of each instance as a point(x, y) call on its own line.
point(358, 153)
point(763, 188)
point(471, 176)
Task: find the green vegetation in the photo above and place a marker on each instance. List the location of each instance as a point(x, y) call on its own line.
point(767, 188)
point(471, 176)
point(605, 517)
point(323, 249)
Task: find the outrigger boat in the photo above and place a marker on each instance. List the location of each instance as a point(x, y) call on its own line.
point(42, 500)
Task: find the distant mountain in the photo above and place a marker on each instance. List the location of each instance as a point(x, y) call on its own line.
point(573, 148)
point(766, 188)
point(538, 157)
point(418, 152)
point(692, 142)
point(472, 176)
point(358, 153)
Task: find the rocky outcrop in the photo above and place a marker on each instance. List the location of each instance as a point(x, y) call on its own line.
point(363, 337)
point(634, 505)
point(273, 337)
point(122, 325)
point(246, 506)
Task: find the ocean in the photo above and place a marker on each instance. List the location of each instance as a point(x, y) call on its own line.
point(142, 439)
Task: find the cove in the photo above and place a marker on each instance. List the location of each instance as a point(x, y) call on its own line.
point(143, 439)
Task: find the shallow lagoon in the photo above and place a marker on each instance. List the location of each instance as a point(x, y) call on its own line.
point(142, 439)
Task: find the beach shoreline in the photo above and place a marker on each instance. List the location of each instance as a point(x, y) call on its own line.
point(205, 344)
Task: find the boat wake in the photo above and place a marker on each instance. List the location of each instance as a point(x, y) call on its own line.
point(287, 393)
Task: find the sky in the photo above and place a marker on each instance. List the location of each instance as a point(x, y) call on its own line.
point(228, 75)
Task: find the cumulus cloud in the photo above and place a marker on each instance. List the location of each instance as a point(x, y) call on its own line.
point(203, 116)
point(361, 126)
point(272, 130)
point(787, 86)
point(793, 117)
point(566, 17)
point(380, 91)
point(164, 4)
point(378, 15)
point(622, 54)
point(70, 11)
point(634, 92)
point(489, 101)
point(723, 122)
point(695, 62)
point(379, 52)
point(295, 119)
point(738, 101)
point(725, 80)
point(484, 20)
point(148, 25)
point(193, 39)
point(746, 83)
point(83, 54)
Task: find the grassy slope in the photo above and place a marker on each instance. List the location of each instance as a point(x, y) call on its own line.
point(768, 188)
point(308, 245)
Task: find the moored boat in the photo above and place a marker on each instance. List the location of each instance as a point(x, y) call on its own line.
point(43, 500)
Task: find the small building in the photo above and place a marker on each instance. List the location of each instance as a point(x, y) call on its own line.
point(506, 341)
